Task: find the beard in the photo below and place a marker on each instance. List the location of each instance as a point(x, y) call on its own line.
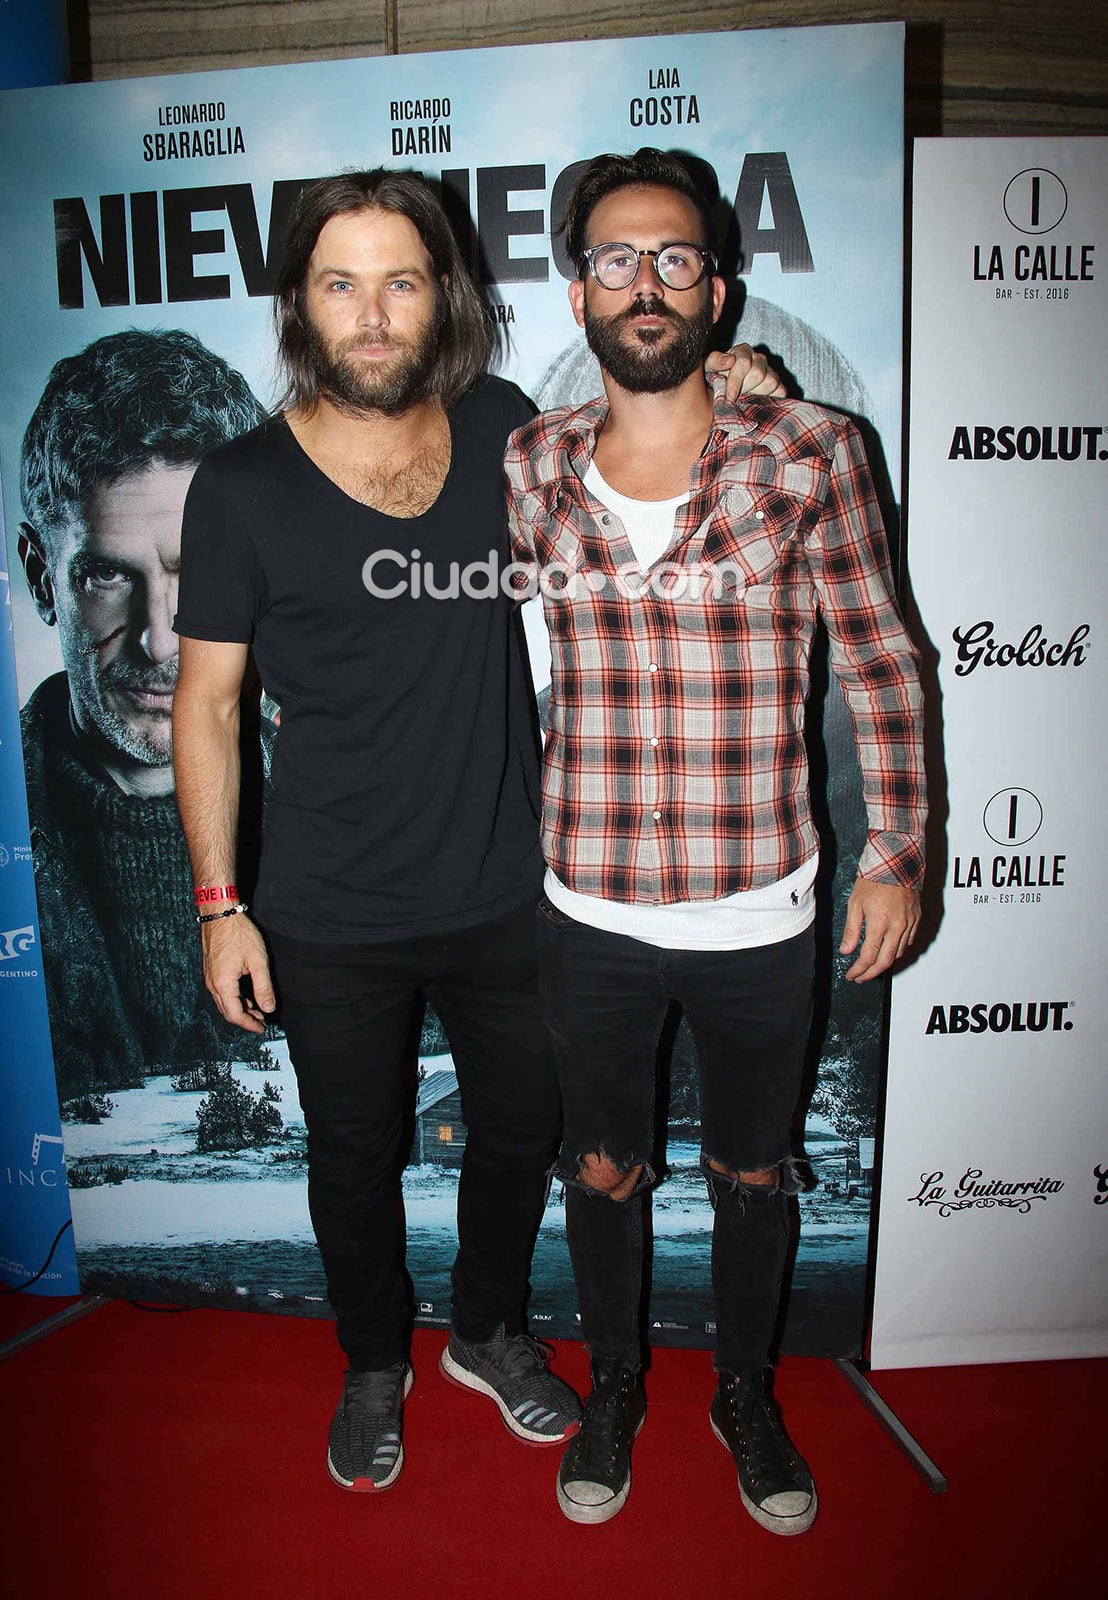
point(144, 740)
point(355, 387)
point(647, 362)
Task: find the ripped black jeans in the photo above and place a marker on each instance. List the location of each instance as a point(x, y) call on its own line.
point(605, 998)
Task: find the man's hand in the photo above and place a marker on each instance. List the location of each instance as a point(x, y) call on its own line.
point(891, 918)
point(748, 372)
point(234, 950)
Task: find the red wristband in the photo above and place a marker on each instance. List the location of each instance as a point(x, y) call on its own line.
point(226, 891)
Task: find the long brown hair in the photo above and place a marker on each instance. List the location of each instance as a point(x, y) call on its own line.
point(465, 343)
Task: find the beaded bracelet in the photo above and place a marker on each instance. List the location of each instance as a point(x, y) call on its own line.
point(217, 916)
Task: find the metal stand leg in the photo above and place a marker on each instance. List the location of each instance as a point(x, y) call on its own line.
point(80, 1308)
point(893, 1425)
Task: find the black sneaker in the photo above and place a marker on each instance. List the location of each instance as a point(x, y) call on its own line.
point(512, 1370)
point(774, 1481)
point(594, 1478)
point(365, 1448)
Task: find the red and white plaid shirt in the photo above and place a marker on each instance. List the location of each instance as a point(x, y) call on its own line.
point(675, 766)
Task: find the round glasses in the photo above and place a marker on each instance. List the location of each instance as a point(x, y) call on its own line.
point(678, 265)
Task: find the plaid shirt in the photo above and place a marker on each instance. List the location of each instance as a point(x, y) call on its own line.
point(675, 766)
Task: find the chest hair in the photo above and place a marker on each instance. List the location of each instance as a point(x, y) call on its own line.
point(404, 487)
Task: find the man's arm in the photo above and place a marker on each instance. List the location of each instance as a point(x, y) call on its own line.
point(747, 370)
point(207, 767)
point(877, 668)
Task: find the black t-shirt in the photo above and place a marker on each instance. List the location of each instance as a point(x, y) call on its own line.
point(405, 796)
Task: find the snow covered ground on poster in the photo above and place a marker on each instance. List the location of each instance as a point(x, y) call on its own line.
point(176, 1196)
point(176, 1225)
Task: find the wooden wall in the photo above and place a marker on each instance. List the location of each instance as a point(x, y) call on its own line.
point(974, 66)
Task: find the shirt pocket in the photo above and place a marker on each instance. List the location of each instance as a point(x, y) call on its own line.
point(556, 532)
point(755, 538)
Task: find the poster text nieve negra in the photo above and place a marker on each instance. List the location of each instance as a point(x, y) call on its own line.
point(145, 248)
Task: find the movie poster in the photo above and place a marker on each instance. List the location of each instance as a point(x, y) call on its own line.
point(139, 230)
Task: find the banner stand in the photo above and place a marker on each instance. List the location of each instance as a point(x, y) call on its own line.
point(60, 1319)
point(892, 1425)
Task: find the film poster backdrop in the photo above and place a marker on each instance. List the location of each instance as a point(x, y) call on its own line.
point(153, 209)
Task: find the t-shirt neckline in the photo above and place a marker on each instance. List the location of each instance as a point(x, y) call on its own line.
point(359, 505)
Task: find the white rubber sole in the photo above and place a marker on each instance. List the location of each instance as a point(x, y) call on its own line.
point(465, 1379)
point(366, 1485)
point(787, 1526)
point(591, 1515)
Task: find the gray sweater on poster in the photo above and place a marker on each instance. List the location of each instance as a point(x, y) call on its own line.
point(120, 946)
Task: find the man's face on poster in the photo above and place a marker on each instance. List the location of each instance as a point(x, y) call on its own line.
point(109, 581)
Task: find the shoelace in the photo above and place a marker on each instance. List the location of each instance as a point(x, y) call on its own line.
point(374, 1393)
point(524, 1353)
point(768, 1446)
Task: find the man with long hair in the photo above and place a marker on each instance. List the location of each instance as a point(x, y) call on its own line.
point(702, 539)
point(401, 857)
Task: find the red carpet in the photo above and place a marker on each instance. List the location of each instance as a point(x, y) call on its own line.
point(182, 1455)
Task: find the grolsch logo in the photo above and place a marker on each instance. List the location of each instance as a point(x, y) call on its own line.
point(978, 646)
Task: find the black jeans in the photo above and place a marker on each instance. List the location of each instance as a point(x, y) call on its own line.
point(348, 1013)
point(605, 997)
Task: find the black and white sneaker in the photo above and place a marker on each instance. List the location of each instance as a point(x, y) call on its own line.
point(365, 1450)
point(594, 1478)
point(512, 1370)
point(774, 1481)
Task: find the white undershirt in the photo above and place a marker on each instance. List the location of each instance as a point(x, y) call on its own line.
point(768, 915)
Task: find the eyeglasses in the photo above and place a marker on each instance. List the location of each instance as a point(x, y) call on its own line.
point(678, 265)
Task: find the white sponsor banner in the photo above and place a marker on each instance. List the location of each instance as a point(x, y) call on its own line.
point(993, 1239)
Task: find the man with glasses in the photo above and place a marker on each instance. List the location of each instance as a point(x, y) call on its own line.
point(695, 543)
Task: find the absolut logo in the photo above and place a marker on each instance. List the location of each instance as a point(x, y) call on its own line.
point(978, 647)
point(1012, 442)
point(973, 1189)
point(1002, 1016)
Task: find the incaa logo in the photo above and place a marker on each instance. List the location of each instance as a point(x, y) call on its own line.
point(1002, 1016)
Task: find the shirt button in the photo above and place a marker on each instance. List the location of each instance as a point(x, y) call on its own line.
point(760, 516)
point(654, 741)
point(657, 815)
point(605, 519)
point(653, 667)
